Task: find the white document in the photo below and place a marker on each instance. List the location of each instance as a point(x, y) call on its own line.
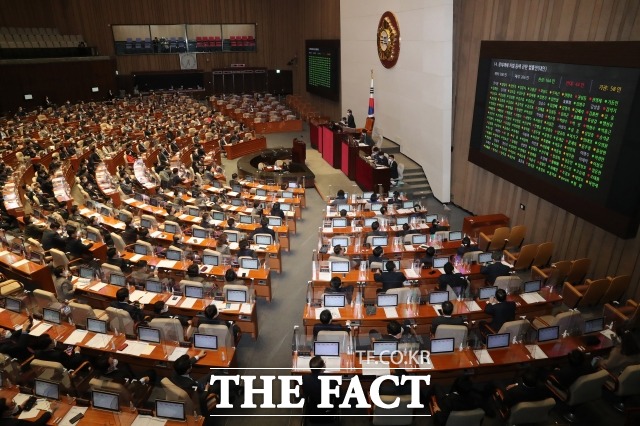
point(375, 368)
point(483, 356)
point(21, 398)
point(76, 337)
point(246, 308)
point(188, 302)
point(173, 300)
point(3, 253)
point(409, 247)
point(438, 309)
point(332, 363)
point(233, 246)
point(536, 352)
point(391, 312)
point(177, 353)
point(136, 295)
point(164, 263)
point(99, 341)
point(82, 282)
point(147, 298)
point(98, 287)
point(71, 414)
point(40, 329)
point(302, 363)
point(410, 273)
point(29, 414)
point(130, 200)
point(324, 276)
point(530, 298)
point(135, 258)
point(472, 306)
point(19, 263)
point(148, 421)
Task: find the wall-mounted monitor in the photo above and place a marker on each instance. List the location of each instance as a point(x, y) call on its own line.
point(323, 68)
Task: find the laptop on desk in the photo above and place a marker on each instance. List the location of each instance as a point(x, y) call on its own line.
point(547, 334)
point(330, 353)
point(105, 401)
point(442, 346)
point(486, 293)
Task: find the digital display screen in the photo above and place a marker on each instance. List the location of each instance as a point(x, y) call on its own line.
point(334, 300)
point(96, 325)
point(326, 348)
point(238, 296)
point(382, 348)
point(323, 68)
point(387, 300)
point(193, 291)
point(442, 346)
point(205, 341)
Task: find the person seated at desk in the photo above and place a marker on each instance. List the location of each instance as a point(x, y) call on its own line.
point(114, 259)
point(495, 269)
point(390, 279)
point(52, 239)
point(193, 273)
point(527, 389)
point(500, 309)
point(245, 249)
point(45, 348)
point(222, 245)
point(435, 227)
point(427, 260)
point(365, 139)
point(446, 318)
point(18, 343)
point(623, 355)
point(461, 397)
point(312, 392)
point(343, 212)
point(9, 410)
point(108, 367)
point(376, 255)
point(231, 224)
point(326, 325)
point(406, 230)
point(339, 253)
point(173, 146)
point(31, 230)
point(382, 212)
point(264, 229)
point(335, 286)
point(397, 332)
point(175, 178)
point(140, 273)
point(375, 230)
point(210, 316)
point(207, 395)
point(234, 180)
point(275, 210)
point(161, 310)
point(129, 234)
point(122, 302)
point(456, 281)
point(466, 247)
point(64, 289)
point(577, 367)
point(77, 248)
point(339, 199)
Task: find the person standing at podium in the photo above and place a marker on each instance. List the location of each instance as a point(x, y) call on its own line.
point(351, 121)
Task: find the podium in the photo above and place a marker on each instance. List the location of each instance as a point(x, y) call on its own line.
point(298, 151)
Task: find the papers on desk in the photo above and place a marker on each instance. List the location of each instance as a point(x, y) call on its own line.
point(130, 200)
point(71, 414)
point(136, 295)
point(455, 270)
point(190, 200)
point(232, 307)
point(173, 301)
point(40, 329)
point(136, 348)
point(324, 276)
point(530, 298)
point(610, 334)
point(246, 308)
point(82, 282)
point(177, 353)
point(147, 298)
point(335, 312)
point(375, 368)
point(135, 258)
point(21, 398)
point(472, 306)
point(332, 363)
point(118, 225)
point(536, 352)
point(483, 356)
point(260, 198)
point(302, 363)
point(188, 302)
point(410, 273)
point(19, 263)
point(148, 421)
point(242, 272)
point(29, 414)
point(76, 337)
point(84, 211)
point(409, 247)
point(3, 253)
point(99, 341)
point(233, 246)
point(391, 312)
point(155, 234)
point(438, 309)
point(168, 264)
point(98, 286)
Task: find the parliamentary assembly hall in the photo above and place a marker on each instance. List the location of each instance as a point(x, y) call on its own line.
point(299, 212)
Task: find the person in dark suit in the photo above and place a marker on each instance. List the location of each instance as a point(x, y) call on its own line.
point(181, 377)
point(351, 121)
point(210, 314)
point(577, 367)
point(389, 388)
point(276, 211)
point(130, 234)
point(427, 260)
point(391, 278)
point(122, 302)
point(113, 259)
point(393, 166)
point(528, 389)
point(495, 269)
point(312, 390)
point(109, 367)
point(466, 247)
point(326, 325)
point(341, 198)
point(264, 229)
point(375, 230)
point(446, 318)
point(462, 397)
point(335, 286)
point(376, 255)
point(435, 227)
point(245, 249)
point(76, 247)
point(46, 349)
point(500, 309)
point(51, 238)
point(9, 410)
point(455, 281)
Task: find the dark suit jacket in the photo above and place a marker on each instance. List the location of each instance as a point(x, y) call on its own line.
point(351, 121)
point(264, 230)
point(522, 393)
point(500, 312)
point(452, 280)
point(393, 167)
point(390, 280)
point(51, 239)
point(135, 312)
point(13, 421)
point(77, 248)
point(445, 320)
point(494, 270)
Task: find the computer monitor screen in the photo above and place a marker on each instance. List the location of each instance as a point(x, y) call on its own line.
point(36, 256)
point(442, 346)
point(245, 218)
point(293, 184)
point(496, 341)
point(285, 207)
point(532, 286)
point(153, 286)
point(395, 262)
point(455, 236)
point(96, 325)
point(174, 255)
point(264, 240)
point(439, 262)
point(339, 267)
point(387, 300)
point(105, 211)
point(140, 249)
point(151, 335)
point(431, 217)
point(193, 211)
point(170, 410)
point(117, 279)
point(153, 202)
point(369, 221)
point(17, 246)
point(89, 204)
point(236, 202)
point(438, 297)
point(86, 272)
point(548, 333)
point(402, 220)
point(340, 241)
point(249, 263)
point(379, 241)
point(217, 216)
point(123, 217)
point(326, 348)
point(13, 305)
point(237, 296)
point(205, 341)
point(170, 228)
point(236, 188)
point(339, 222)
point(418, 239)
point(198, 233)
point(194, 291)
point(105, 401)
point(232, 237)
point(287, 194)
point(594, 325)
point(384, 348)
point(51, 315)
point(485, 257)
point(92, 236)
point(487, 292)
point(138, 197)
point(211, 259)
point(275, 221)
point(334, 300)
point(345, 207)
point(261, 192)
point(46, 389)
point(145, 223)
point(36, 213)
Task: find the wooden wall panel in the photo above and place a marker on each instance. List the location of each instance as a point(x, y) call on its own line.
point(481, 192)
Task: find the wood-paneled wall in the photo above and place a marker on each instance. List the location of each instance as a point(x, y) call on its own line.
point(481, 192)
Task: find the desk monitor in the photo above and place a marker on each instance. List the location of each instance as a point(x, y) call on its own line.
point(170, 228)
point(532, 286)
point(51, 315)
point(326, 348)
point(346, 207)
point(439, 262)
point(216, 184)
point(198, 233)
point(407, 204)
point(546, 334)
point(438, 297)
point(395, 262)
point(379, 241)
point(194, 291)
point(367, 195)
point(36, 257)
point(93, 236)
point(246, 219)
point(275, 221)
point(455, 236)
point(36, 213)
point(137, 197)
point(430, 218)
point(442, 346)
point(339, 222)
point(217, 216)
point(140, 249)
point(17, 246)
point(293, 185)
point(263, 240)
point(418, 239)
point(261, 192)
point(193, 211)
point(375, 207)
point(485, 257)
point(174, 255)
point(339, 267)
point(145, 223)
point(334, 300)
point(237, 202)
point(205, 341)
point(154, 202)
point(384, 348)
point(369, 221)
point(211, 259)
point(487, 293)
point(105, 400)
point(236, 187)
point(237, 296)
point(46, 389)
point(123, 217)
point(387, 300)
point(497, 341)
point(285, 207)
point(153, 286)
point(340, 241)
point(402, 220)
point(96, 325)
point(90, 204)
point(249, 263)
point(117, 279)
point(105, 211)
point(594, 325)
point(147, 334)
point(14, 305)
point(287, 194)
point(86, 272)
point(232, 237)
point(170, 410)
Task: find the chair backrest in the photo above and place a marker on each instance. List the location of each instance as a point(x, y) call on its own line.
point(587, 388)
point(120, 319)
point(44, 298)
point(175, 224)
point(517, 328)
point(471, 256)
point(629, 381)
point(170, 328)
point(578, 271)
point(500, 235)
point(151, 219)
point(221, 331)
point(401, 415)
point(51, 370)
point(95, 232)
point(176, 393)
point(334, 336)
point(118, 242)
point(594, 292)
point(524, 412)
point(525, 257)
point(543, 256)
point(510, 283)
point(403, 293)
point(617, 286)
point(59, 257)
point(107, 267)
point(184, 283)
point(376, 265)
point(569, 321)
point(80, 312)
point(458, 332)
point(465, 418)
point(10, 286)
point(516, 237)
point(127, 213)
point(558, 273)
